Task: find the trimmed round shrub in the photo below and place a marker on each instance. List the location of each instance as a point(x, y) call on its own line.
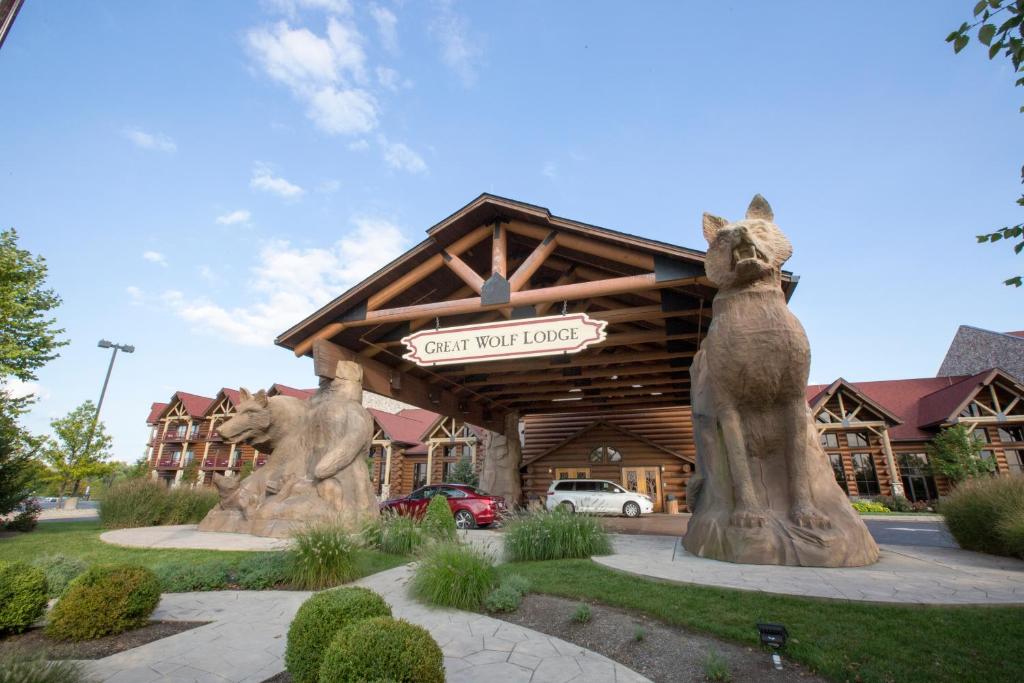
point(22, 596)
point(317, 622)
point(555, 535)
point(106, 599)
point(383, 649)
point(60, 570)
point(451, 575)
point(439, 521)
point(987, 515)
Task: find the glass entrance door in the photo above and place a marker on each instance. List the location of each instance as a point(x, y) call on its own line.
point(645, 481)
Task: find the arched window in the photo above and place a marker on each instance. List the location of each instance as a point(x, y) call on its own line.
point(605, 454)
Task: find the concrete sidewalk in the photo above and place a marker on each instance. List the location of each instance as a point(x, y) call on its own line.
point(247, 637)
point(903, 574)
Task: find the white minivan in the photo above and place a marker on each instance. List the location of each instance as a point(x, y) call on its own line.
point(596, 496)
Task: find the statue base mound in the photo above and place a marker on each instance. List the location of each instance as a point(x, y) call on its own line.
point(781, 542)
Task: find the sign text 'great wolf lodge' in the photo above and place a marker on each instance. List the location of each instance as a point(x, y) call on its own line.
point(544, 336)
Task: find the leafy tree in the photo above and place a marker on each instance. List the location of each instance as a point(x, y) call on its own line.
point(463, 472)
point(957, 454)
point(999, 26)
point(29, 340)
point(65, 453)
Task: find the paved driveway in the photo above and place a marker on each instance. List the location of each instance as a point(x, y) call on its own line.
point(890, 531)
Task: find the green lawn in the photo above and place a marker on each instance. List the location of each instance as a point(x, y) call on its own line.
point(840, 640)
point(82, 539)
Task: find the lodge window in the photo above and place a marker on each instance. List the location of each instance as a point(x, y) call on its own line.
point(419, 475)
point(857, 440)
point(836, 460)
point(916, 474)
point(446, 471)
point(1015, 461)
point(830, 440)
point(865, 475)
point(180, 431)
point(605, 454)
point(981, 434)
point(1011, 434)
point(971, 410)
point(195, 431)
point(454, 451)
point(823, 417)
point(175, 456)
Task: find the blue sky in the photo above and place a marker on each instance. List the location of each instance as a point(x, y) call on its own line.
point(202, 175)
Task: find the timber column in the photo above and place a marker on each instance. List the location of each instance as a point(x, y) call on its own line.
point(895, 484)
point(503, 455)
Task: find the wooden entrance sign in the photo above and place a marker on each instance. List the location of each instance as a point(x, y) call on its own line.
point(529, 338)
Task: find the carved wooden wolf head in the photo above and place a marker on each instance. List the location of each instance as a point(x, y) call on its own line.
point(743, 252)
point(251, 422)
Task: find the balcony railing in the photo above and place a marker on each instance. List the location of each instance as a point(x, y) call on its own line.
point(167, 464)
point(212, 463)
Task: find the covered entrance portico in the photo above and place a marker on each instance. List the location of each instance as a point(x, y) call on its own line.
point(501, 260)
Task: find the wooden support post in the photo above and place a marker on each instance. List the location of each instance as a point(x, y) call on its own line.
point(385, 486)
point(231, 459)
point(895, 483)
point(534, 261)
point(462, 269)
point(499, 251)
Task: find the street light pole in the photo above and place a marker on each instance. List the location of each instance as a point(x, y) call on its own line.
point(104, 344)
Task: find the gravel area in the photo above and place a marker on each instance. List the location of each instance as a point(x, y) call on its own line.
point(660, 652)
point(35, 640)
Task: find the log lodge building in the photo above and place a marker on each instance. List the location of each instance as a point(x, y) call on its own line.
point(618, 410)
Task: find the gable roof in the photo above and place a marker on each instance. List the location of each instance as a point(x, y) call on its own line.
point(946, 404)
point(405, 426)
point(195, 405)
point(975, 350)
point(283, 390)
point(819, 399)
point(605, 423)
point(154, 412)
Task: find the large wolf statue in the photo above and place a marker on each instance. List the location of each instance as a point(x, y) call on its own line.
point(317, 470)
point(763, 492)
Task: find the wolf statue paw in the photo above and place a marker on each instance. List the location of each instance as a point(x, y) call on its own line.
point(748, 518)
point(807, 517)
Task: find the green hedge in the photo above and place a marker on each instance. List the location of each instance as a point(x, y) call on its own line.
point(383, 649)
point(106, 599)
point(317, 622)
point(22, 596)
point(987, 515)
point(144, 502)
point(60, 571)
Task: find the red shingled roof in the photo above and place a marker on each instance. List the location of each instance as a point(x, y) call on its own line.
point(406, 426)
point(1015, 334)
point(283, 390)
point(195, 405)
point(154, 412)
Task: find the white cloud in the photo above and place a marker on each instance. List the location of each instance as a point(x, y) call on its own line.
point(291, 7)
point(153, 141)
point(400, 156)
point(263, 179)
point(386, 27)
point(460, 51)
point(550, 170)
point(208, 273)
point(138, 297)
point(359, 145)
point(388, 78)
point(321, 72)
point(345, 112)
point(239, 216)
point(16, 388)
point(291, 282)
point(155, 257)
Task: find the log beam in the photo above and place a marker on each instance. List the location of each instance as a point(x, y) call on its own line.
point(534, 261)
point(499, 251)
point(551, 374)
point(586, 245)
point(462, 269)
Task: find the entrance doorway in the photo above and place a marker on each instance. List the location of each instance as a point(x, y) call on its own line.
point(645, 481)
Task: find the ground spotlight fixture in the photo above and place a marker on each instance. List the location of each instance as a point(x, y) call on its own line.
point(774, 636)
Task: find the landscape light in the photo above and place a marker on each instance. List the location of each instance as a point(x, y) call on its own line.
point(774, 636)
point(104, 344)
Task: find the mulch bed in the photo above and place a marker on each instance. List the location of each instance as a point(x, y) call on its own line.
point(35, 640)
point(664, 653)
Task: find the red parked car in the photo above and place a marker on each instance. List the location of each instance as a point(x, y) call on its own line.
point(470, 506)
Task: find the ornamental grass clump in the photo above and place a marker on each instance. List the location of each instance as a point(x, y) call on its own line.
point(439, 522)
point(133, 503)
point(987, 515)
point(555, 535)
point(393, 534)
point(22, 596)
point(450, 575)
point(60, 570)
point(383, 649)
point(106, 599)
point(322, 556)
point(188, 506)
point(317, 622)
point(19, 667)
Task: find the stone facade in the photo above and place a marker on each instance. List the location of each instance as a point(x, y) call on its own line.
point(975, 350)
